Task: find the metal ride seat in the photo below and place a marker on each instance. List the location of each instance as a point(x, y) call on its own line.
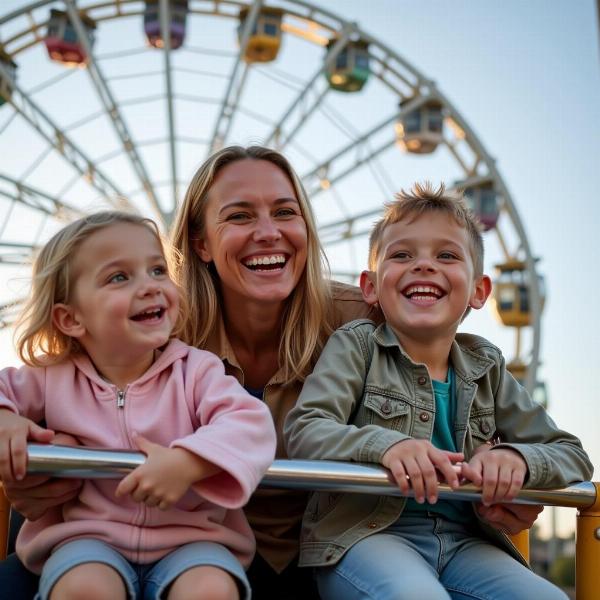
point(63, 461)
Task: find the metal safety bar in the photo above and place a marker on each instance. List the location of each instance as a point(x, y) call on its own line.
point(65, 461)
point(316, 475)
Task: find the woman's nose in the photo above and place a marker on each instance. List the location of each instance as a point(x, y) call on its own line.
point(267, 230)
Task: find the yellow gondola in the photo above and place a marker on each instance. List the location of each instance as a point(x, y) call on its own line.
point(511, 294)
point(265, 38)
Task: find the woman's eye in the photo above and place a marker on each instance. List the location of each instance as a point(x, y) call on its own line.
point(238, 217)
point(286, 212)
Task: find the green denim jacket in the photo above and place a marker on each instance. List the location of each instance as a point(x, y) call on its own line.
point(365, 395)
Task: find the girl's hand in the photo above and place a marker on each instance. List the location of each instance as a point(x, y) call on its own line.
point(14, 433)
point(165, 476)
point(500, 473)
point(417, 463)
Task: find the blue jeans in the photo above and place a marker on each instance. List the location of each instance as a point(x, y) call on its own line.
point(429, 558)
point(141, 581)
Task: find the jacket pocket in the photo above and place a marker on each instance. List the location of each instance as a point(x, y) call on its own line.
point(387, 411)
point(483, 427)
point(321, 504)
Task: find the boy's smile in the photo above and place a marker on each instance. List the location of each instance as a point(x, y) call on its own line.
point(425, 278)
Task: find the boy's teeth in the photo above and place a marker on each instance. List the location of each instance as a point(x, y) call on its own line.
point(423, 289)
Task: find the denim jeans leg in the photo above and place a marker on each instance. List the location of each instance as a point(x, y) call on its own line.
point(385, 566)
point(481, 571)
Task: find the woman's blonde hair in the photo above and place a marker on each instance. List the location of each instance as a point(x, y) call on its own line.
point(38, 341)
point(306, 322)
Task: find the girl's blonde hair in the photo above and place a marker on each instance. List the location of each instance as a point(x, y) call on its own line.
point(38, 341)
point(306, 322)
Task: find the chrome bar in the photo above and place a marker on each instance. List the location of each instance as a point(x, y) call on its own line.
point(320, 475)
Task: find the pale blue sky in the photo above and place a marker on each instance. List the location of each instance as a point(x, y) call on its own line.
point(526, 77)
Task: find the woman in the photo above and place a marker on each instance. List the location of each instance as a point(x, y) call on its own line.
point(253, 271)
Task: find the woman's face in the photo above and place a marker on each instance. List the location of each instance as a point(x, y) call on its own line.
point(255, 233)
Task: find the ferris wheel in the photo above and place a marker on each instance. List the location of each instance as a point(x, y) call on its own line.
point(116, 103)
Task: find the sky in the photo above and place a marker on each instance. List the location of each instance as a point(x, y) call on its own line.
point(526, 77)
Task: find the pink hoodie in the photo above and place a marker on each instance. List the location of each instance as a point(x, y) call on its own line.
point(184, 400)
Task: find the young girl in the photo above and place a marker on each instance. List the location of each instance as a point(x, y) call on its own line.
point(102, 367)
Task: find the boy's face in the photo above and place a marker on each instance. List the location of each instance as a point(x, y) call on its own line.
point(425, 278)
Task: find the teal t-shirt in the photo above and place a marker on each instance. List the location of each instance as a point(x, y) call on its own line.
point(443, 438)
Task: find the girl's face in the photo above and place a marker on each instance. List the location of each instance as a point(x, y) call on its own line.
point(255, 233)
point(124, 304)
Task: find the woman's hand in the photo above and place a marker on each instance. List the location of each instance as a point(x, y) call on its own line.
point(419, 464)
point(36, 494)
point(15, 431)
point(166, 475)
point(509, 518)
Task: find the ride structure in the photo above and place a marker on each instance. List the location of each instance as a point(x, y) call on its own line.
point(162, 82)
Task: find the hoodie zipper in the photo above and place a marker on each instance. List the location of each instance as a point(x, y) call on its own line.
point(120, 399)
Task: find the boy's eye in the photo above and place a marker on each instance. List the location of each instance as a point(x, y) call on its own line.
point(447, 256)
point(401, 255)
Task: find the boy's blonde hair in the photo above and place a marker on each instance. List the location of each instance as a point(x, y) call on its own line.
point(306, 323)
point(421, 199)
point(38, 341)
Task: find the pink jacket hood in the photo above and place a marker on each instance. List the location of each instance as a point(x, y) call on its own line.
point(184, 400)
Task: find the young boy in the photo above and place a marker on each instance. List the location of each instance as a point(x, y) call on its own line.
point(418, 398)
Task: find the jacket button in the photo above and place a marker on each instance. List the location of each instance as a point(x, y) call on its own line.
point(386, 408)
point(424, 417)
point(329, 556)
point(372, 525)
point(422, 380)
point(485, 428)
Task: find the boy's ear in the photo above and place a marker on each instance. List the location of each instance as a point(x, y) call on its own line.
point(66, 321)
point(201, 250)
point(368, 285)
point(481, 292)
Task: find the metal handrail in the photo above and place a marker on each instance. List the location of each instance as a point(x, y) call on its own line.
point(319, 475)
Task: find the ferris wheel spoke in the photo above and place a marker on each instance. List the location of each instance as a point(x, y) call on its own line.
point(112, 111)
point(165, 31)
point(331, 55)
point(58, 139)
point(236, 83)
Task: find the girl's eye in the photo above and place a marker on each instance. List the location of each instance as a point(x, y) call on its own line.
point(447, 256)
point(117, 278)
point(401, 255)
point(159, 271)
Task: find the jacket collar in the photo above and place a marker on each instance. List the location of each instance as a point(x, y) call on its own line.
point(174, 350)
point(467, 362)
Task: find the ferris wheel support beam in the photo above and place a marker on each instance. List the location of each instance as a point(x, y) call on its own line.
point(34, 198)
point(112, 110)
point(165, 31)
point(331, 55)
point(534, 284)
point(236, 84)
point(359, 141)
point(59, 140)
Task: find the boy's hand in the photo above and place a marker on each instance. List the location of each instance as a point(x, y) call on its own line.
point(165, 476)
point(500, 473)
point(416, 464)
point(509, 518)
point(14, 433)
